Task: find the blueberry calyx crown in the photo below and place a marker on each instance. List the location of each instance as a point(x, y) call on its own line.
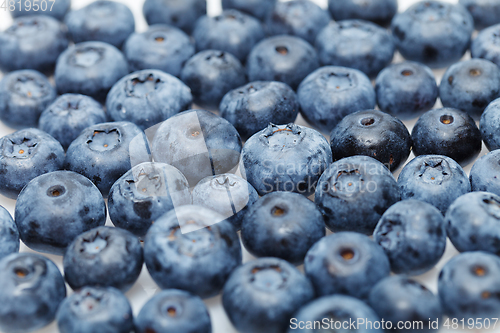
point(28, 86)
point(27, 271)
point(492, 206)
point(435, 171)
point(142, 85)
point(20, 147)
point(281, 137)
point(104, 140)
point(268, 277)
point(86, 56)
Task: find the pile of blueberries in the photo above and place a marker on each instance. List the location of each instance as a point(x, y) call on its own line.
point(187, 188)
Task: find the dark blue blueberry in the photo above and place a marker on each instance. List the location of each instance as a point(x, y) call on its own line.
point(161, 47)
point(227, 194)
point(179, 13)
point(145, 193)
point(32, 289)
point(211, 74)
point(283, 225)
point(90, 68)
point(435, 33)
point(356, 44)
point(448, 132)
point(192, 248)
point(9, 236)
point(489, 125)
point(104, 152)
point(287, 59)
point(24, 95)
point(346, 263)
point(173, 311)
point(331, 93)
point(485, 173)
point(285, 158)
point(32, 42)
point(412, 234)
point(435, 179)
point(407, 305)
point(484, 12)
point(56, 9)
point(262, 295)
point(378, 11)
point(147, 97)
point(487, 44)
point(257, 8)
point(90, 310)
point(406, 89)
point(56, 207)
point(354, 192)
point(372, 133)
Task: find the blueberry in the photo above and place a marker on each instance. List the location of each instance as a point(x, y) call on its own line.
point(9, 236)
point(161, 47)
point(147, 97)
point(262, 295)
point(257, 8)
point(179, 13)
point(372, 133)
point(413, 235)
point(356, 44)
point(90, 310)
point(484, 12)
point(398, 299)
point(485, 173)
point(211, 74)
point(406, 89)
point(301, 18)
point(489, 125)
point(282, 225)
point(104, 152)
point(448, 132)
point(105, 21)
point(32, 42)
point(173, 311)
point(486, 44)
point(288, 59)
point(331, 93)
point(24, 95)
point(227, 194)
point(192, 248)
point(198, 143)
point(56, 9)
point(354, 192)
point(346, 263)
point(285, 158)
point(231, 31)
point(145, 193)
point(90, 68)
point(378, 11)
point(435, 33)
point(435, 179)
point(31, 291)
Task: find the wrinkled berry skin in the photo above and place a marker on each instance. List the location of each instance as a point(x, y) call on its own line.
point(448, 132)
point(467, 286)
point(413, 235)
point(24, 95)
point(32, 289)
point(487, 44)
point(380, 12)
point(435, 179)
point(435, 33)
point(172, 311)
point(179, 13)
point(484, 12)
point(92, 309)
point(257, 8)
point(147, 97)
point(330, 93)
point(354, 192)
point(58, 9)
point(181, 252)
point(262, 295)
point(489, 125)
point(24, 155)
point(485, 173)
point(372, 133)
point(346, 263)
point(9, 236)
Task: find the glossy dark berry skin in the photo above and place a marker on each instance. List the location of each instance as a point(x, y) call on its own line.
point(92, 309)
point(487, 44)
point(24, 95)
point(283, 225)
point(262, 295)
point(9, 236)
point(489, 125)
point(172, 311)
point(399, 299)
point(354, 192)
point(372, 133)
point(256, 8)
point(485, 12)
point(448, 132)
point(24, 155)
point(46, 38)
point(406, 89)
point(181, 252)
point(56, 9)
point(346, 263)
point(288, 59)
point(485, 173)
point(32, 289)
point(179, 13)
point(330, 93)
point(380, 12)
point(413, 235)
point(147, 98)
point(435, 33)
point(435, 179)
